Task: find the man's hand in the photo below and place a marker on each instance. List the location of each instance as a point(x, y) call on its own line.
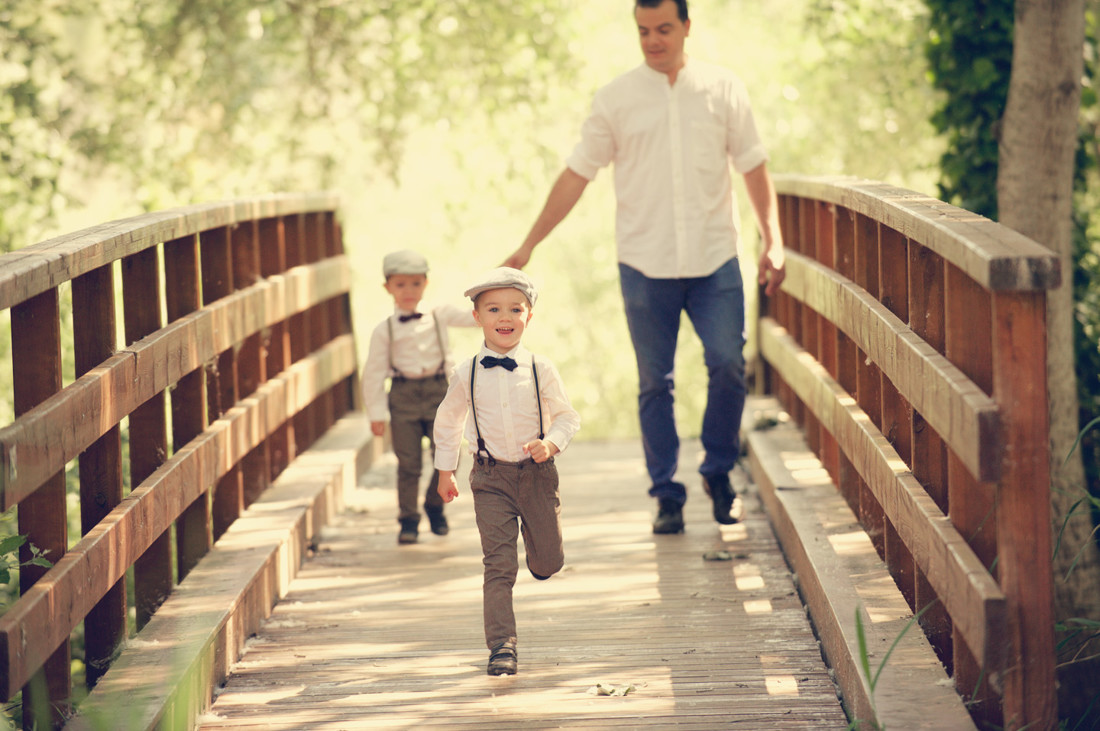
point(448, 485)
point(378, 428)
point(540, 450)
point(772, 269)
point(519, 258)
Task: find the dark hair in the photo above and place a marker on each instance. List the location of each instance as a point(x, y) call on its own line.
point(681, 7)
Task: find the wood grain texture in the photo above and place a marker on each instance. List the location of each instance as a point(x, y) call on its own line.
point(374, 636)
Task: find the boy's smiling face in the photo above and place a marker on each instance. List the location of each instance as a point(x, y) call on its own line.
point(407, 289)
point(503, 315)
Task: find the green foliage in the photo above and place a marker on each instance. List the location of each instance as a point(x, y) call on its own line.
point(969, 51)
point(191, 101)
point(1086, 268)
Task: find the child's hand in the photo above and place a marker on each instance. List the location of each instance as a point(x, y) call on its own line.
point(378, 428)
point(448, 486)
point(540, 450)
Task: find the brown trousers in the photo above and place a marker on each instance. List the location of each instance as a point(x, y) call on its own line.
point(510, 499)
point(413, 403)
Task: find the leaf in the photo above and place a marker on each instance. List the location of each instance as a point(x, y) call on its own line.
point(10, 544)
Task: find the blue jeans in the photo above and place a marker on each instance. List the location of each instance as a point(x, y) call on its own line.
point(716, 307)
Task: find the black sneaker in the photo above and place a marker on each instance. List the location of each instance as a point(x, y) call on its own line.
point(722, 495)
point(437, 521)
point(670, 518)
point(409, 531)
point(503, 661)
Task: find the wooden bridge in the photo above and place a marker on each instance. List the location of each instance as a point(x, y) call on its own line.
point(897, 465)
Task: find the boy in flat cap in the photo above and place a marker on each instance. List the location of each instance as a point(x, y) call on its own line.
point(411, 349)
point(513, 409)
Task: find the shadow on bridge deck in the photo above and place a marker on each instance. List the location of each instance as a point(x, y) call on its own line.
point(376, 636)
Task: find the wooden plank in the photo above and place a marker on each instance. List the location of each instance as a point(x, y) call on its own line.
point(839, 575)
point(100, 469)
point(54, 432)
point(40, 267)
point(1023, 508)
point(226, 595)
point(957, 408)
point(30, 629)
point(397, 641)
point(971, 595)
point(990, 254)
point(36, 330)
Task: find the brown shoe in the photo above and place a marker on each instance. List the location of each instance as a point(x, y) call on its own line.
point(503, 660)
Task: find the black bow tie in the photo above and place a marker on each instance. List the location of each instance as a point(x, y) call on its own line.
point(506, 363)
point(413, 316)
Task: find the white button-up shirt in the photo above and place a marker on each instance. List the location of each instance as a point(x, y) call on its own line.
point(415, 352)
point(672, 146)
point(507, 413)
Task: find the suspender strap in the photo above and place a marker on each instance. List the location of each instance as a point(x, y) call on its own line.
point(473, 407)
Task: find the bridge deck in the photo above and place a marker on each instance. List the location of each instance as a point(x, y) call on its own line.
point(373, 635)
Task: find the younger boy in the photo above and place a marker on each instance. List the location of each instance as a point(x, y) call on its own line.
point(513, 409)
point(412, 350)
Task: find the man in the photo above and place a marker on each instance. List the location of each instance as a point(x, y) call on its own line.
point(672, 127)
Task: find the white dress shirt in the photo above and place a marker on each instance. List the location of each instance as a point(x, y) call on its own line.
point(672, 146)
point(507, 413)
point(414, 352)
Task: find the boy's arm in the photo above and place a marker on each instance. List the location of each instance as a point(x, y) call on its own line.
point(565, 422)
point(450, 419)
point(372, 382)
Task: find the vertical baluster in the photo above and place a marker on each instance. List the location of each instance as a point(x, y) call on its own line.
point(968, 345)
point(94, 341)
point(36, 375)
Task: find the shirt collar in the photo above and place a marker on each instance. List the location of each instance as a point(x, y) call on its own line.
point(519, 353)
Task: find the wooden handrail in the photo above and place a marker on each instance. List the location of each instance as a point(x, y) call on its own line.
point(255, 362)
point(909, 343)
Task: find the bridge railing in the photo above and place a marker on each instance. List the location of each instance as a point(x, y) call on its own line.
point(909, 343)
point(237, 355)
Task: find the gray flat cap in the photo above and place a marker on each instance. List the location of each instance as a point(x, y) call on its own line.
point(404, 262)
point(503, 278)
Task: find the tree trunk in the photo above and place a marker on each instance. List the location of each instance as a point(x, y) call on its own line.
point(1035, 197)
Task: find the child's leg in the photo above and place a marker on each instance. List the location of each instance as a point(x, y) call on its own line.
point(406, 433)
point(435, 390)
point(495, 509)
point(540, 513)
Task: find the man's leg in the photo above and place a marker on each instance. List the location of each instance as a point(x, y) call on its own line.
point(716, 306)
point(653, 309)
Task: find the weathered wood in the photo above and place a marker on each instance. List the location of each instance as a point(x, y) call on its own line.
point(1023, 502)
point(166, 680)
point(100, 470)
point(54, 432)
point(38, 268)
point(993, 256)
point(29, 630)
point(958, 577)
point(36, 329)
point(396, 641)
point(839, 575)
point(940, 391)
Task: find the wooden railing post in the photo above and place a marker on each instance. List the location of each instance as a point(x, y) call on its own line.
point(1023, 508)
point(94, 340)
point(36, 334)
